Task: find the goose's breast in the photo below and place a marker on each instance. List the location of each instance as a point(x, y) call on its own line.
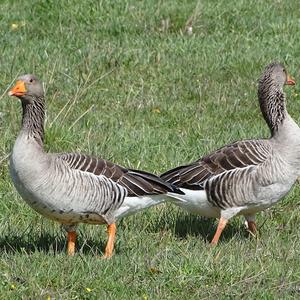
point(274, 180)
point(27, 166)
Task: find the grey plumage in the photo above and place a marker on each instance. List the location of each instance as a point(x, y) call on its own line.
point(73, 188)
point(214, 173)
point(246, 176)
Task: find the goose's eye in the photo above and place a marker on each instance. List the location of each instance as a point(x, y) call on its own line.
point(31, 80)
point(284, 70)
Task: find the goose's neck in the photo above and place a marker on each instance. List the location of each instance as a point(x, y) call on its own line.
point(33, 120)
point(272, 104)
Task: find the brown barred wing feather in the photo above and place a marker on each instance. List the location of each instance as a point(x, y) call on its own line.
point(237, 155)
point(137, 183)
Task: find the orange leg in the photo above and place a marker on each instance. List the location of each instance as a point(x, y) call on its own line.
point(221, 226)
point(71, 242)
point(252, 227)
point(111, 231)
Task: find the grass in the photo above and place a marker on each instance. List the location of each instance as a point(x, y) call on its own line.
point(125, 81)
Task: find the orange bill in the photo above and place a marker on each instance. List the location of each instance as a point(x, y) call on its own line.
point(18, 90)
point(290, 80)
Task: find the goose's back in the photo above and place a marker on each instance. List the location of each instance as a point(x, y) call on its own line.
point(240, 154)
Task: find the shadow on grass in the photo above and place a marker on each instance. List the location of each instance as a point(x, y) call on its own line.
point(186, 225)
point(48, 243)
point(53, 243)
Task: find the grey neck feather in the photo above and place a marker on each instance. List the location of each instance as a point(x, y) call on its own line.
point(272, 103)
point(33, 119)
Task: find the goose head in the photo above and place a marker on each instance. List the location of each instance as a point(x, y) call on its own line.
point(28, 89)
point(276, 75)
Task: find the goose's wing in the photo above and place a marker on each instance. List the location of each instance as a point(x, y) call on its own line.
point(137, 183)
point(237, 155)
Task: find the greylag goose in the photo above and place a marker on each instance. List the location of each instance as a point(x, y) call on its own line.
point(72, 188)
point(247, 176)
